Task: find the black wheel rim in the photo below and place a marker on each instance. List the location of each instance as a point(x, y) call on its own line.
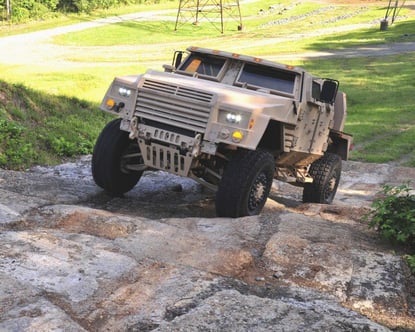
point(331, 187)
point(130, 156)
point(258, 193)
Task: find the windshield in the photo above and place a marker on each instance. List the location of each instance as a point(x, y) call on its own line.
point(254, 76)
point(203, 65)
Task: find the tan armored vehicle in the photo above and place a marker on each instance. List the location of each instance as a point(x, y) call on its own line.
point(230, 122)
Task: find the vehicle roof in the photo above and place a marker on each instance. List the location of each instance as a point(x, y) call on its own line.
point(246, 58)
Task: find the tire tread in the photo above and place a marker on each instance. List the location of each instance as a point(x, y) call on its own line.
point(106, 156)
point(320, 171)
point(237, 180)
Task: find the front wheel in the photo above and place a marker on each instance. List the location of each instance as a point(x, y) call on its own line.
point(245, 184)
point(326, 177)
point(114, 158)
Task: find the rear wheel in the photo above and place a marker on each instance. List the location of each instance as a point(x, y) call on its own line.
point(116, 160)
point(245, 184)
point(326, 177)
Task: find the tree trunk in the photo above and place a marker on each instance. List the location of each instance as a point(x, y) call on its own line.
point(9, 9)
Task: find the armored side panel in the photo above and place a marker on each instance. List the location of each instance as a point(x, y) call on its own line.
point(340, 111)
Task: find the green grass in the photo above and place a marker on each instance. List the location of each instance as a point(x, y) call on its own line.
point(261, 35)
point(381, 114)
point(401, 32)
point(135, 33)
point(37, 128)
point(381, 104)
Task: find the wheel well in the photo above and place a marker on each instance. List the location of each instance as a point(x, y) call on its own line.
point(272, 140)
point(339, 145)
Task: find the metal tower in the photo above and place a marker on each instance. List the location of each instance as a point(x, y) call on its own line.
point(393, 10)
point(214, 11)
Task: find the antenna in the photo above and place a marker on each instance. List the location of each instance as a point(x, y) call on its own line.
point(213, 11)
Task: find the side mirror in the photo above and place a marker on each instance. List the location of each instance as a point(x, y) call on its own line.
point(177, 59)
point(329, 91)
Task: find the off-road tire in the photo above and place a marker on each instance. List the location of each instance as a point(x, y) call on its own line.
point(107, 160)
point(245, 184)
point(326, 173)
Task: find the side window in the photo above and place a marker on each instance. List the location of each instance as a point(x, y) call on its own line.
point(254, 76)
point(203, 65)
point(316, 90)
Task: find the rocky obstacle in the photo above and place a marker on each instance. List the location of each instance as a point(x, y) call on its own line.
point(75, 259)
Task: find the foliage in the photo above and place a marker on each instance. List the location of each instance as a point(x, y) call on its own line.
point(26, 10)
point(393, 216)
point(410, 260)
point(14, 149)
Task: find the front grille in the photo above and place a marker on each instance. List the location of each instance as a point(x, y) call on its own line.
point(174, 105)
point(173, 89)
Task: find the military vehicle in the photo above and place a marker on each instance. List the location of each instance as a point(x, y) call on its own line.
point(231, 122)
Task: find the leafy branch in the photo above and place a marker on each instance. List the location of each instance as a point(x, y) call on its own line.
point(393, 216)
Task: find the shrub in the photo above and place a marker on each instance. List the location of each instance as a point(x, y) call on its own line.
point(26, 10)
point(20, 14)
point(393, 216)
point(410, 259)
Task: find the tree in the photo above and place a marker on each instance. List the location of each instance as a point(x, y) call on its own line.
point(9, 9)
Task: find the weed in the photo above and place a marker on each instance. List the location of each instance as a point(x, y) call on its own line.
point(393, 216)
point(15, 150)
point(410, 260)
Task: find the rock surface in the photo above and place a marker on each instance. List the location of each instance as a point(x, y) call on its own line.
point(73, 258)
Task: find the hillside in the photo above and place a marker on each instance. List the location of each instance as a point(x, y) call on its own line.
point(39, 128)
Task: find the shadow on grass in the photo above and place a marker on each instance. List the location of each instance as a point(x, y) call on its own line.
point(399, 32)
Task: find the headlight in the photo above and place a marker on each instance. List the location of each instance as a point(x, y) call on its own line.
point(124, 92)
point(233, 117)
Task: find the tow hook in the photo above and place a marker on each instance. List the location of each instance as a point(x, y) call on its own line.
point(196, 145)
point(134, 128)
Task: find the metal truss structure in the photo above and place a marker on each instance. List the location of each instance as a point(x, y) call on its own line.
point(216, 12)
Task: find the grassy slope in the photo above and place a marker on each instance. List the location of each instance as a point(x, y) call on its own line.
point(381, 103)
point(37, 128)
point(381, 115)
